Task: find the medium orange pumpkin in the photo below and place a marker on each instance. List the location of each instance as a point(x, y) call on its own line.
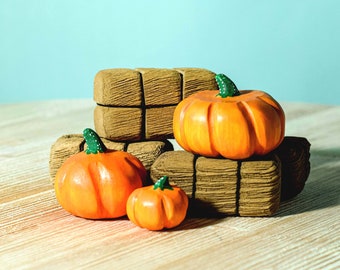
point(228, 122)
point(157, 207)
point(96, 183)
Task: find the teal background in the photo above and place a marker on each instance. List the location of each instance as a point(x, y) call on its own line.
point(52, 49)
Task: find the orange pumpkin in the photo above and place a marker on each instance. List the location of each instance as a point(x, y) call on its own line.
point(96, 183)
point(228, 122)
point(157, 207)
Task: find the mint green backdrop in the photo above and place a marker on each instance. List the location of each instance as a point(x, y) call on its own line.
point(51, 49)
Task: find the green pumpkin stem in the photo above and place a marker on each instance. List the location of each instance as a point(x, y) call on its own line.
point(226, 86)
point(163, 183)
point(93, 141)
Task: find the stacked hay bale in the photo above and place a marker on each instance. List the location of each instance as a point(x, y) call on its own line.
point(134, 113)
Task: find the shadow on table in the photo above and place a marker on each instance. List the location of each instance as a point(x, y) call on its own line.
point(200, 214)
point(192, 223)
point(322, 188)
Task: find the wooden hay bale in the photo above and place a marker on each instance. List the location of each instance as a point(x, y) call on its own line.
point(251, 187)
point(68, 145)
point(138, 104)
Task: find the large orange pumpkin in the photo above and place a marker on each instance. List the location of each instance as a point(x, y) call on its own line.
point(228, 122)
point(157, 207)
point(96, 183)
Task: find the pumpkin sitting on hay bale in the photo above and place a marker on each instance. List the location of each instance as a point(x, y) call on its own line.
point(265, 167)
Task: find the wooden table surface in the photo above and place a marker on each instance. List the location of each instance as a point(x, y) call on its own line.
point(36, 233)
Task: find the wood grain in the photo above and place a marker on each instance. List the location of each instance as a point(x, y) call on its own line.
point(180, 173)
point(161, 86)
point(139, 104)
point(119, 124)
point(196, 79)
point(217, 182)
point(35, 233)
point(222, 186)
point(250, 187)
point(260, 187)
point(158, 123)
point(118, 87)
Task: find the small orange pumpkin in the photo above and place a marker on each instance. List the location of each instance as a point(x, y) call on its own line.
point(228, 122)
point(157, 207)
point(96, 183)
